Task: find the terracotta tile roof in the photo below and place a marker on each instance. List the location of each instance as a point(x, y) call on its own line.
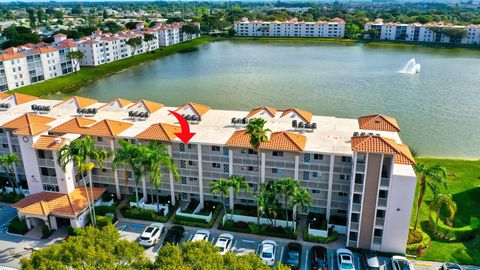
point(46, 49)
point(198, 108)
point(160, 132)
point(270, 111)
point(81, 102)
point(60, 35)
point(20, 98)
point(150, 106)
point(76, 125)
point(46, 203)
point(27, 120)
point(377, 144)
point(306, 116)
point(48, 142)
point(284, 141)
point(120, 101)
point(3, 95)
point(32, 129)
point(378, 122)
point(108, 128)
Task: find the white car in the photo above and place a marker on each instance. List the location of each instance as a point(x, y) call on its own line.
point(345, 259)
point(224, 243)
point(201, 235)
point(401, 263)
point(268, 249)
point(151, 235)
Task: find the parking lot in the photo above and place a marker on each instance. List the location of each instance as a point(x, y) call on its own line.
point(243, 245)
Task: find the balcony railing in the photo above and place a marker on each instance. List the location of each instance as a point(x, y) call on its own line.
point(43, 162)
point(49, 179)
point(354, 226)
point(382, 202)
point(385, 182)
point(356, 207)
point(379, 222)
point(377, 240)
point(358, 188)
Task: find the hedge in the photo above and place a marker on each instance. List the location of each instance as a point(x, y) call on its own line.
point(194, 222)
point(318, 239)
point(103, 221)
point(149, 215)
point(46, 232)
point(18, 227)
point(446, 232)
point(103, 210)
point(10, 197)
point(423, 244)
point(253, 228)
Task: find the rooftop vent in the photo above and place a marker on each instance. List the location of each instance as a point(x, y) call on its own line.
point(57, 140)
point(40, 108)
point(140, 115)
point(304, 125)
point(240, 121)
point(87, 111)
point(4, 106)
point(192, 118)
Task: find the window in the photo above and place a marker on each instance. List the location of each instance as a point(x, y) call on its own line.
point(346, 159)
point(99, 139)
point(354, 217)
point(183, 180)
point(274, 170)
point(183, 164)
point(306, 158)
point(382, 193)
point(251, 152)
point(344, 176)
point(215, 148)
point(216, 165)
point(353, 236)
point(226, 168)
point(318, 156)
point(191, 179)
point(277, 153)
point(182, 147)
point(340, 211)
point(380, 213)
point(314, 174)
point(357, 198)
point(191, 163)
point(342, 194)
point(306, 176)
point(378, 233)
point(358, 178)
point(189, 146)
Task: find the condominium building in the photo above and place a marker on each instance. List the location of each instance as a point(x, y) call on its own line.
point(31, 63)
point(170, 34)
point(292, 28)
point(355, 169)
point(429, 32)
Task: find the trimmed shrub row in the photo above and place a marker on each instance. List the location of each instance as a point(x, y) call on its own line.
point(194, 222)
point(150, 215)
point(103, 221)
point(421, 242)
point(18, 227)
point(321, 240)
point(10, 197)
point(446, 232)
point(253, 228)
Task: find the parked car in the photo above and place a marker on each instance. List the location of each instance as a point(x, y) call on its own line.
point(451, 266)
point(401, 263)
point(294, 255)
point(224, 243)
point(268, 249)
point(201, 235)
point(151, 235)
point(174, 235)
point(370, 260)
point(345, 259)
point(319, 257)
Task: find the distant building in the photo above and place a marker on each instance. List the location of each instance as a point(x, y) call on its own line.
point(429, 32)
point(32, 63)
point(292, 28)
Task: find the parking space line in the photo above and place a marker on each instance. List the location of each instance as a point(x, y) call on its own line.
point(248, 241)
point(213, 240)
point(190, 238)
point(281, 255)
point(306, 260)
point(423, 264)
point(234, 244)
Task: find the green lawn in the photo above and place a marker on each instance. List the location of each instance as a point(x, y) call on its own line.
point(87, 74)
point(464, 185)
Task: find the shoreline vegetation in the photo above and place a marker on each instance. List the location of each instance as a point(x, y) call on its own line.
point(85, 75)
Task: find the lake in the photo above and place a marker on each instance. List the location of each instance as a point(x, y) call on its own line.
point(438, 109)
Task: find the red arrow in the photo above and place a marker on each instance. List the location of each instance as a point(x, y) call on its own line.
point(185, 135)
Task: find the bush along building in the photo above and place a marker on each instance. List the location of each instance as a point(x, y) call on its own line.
point(356, 170)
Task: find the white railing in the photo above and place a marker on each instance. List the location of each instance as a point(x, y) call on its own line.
point(102, 203)
point(18, 190)
point(149, 206)
point(338, 228)
point(193, 215)
point(317, 232)
point(250, 219)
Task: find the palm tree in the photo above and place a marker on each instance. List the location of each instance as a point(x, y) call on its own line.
point(221, 187)
point(127, 155)
point(286, 186)
point(258, 134)
point(436, 205)
point(8, 162)
point(237, 183)
point(428, 177)
point(157, 158)
point(300, 197)
point(147, 38)
point(81, 152)
point(262, 201)
point(273, 206)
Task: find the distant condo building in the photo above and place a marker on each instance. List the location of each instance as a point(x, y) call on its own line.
point(356, 170)
point(435, 32)
point(292, 28)
point(32, 63)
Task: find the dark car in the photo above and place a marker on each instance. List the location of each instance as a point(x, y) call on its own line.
point(293, 255)
point(450, 266)
point(319, 258)
point(370, 260)
point(174, 235)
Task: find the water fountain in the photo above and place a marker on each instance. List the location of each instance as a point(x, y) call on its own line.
point(411, 67)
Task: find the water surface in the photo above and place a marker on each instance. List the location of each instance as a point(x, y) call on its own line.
point(438, 108)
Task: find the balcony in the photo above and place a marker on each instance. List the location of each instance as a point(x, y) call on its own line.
point(385, 182)
point(43, 162)
point(48, 179)
point(352, 244)
point(356, 207)
point(382, 202)
point(354, 226)
point(358, 188)
point(379, 222)
point(377, 240)
point(360, 168)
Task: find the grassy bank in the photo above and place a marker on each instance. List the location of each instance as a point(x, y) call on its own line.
point(464, 185)
point(88, 74)
point(298, 39)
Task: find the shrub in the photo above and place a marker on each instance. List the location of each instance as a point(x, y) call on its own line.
point(18, 226)
point(150, 215)
point(317, 239)
point(71, 231)
point(263, 229)
point(103, 221)
point(417, 240)
point(10, 197)
point(195, 222)
point(103, 210)
point(446, 232)
point(46, 231)
point(107, 196)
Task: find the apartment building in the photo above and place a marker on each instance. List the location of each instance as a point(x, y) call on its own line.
point(292, 28)
point(170, 34)
point(429, 32)
point(357, 169)
point(32, 63)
